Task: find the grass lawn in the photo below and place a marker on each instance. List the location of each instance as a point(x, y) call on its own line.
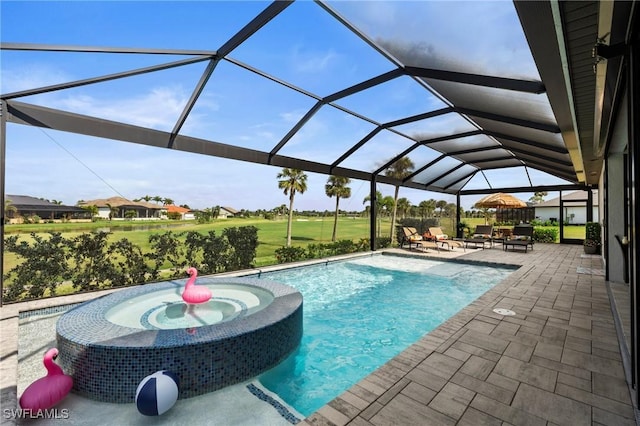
point(271, 233)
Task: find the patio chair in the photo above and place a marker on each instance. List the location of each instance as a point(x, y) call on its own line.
point(522, 236)
point(440, 237)
point(482, 235)
point(413, 238)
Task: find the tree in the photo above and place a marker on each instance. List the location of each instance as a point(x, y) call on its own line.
point(486, 213)
point(404, 206)
point(441, 204)
point(9, 207)
point(450, 210)
point(167, 201)
point(215, 212)
point(158, 199)
point(399, 170)
point(383, 204)
point(291, 181)
point(113, 211)
point(92, 210)
point(337, 187)
point(538, 197)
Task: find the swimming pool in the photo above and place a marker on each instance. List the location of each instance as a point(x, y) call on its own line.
point(358, 314)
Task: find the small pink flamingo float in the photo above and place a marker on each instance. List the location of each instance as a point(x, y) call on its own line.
point(193, 294)
point(47, 391)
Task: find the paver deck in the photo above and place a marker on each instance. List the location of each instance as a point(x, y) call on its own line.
point(557, 361)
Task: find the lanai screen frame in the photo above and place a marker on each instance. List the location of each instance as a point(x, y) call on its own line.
point(510, 148)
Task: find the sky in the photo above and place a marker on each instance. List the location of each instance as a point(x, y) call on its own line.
point(236, 107)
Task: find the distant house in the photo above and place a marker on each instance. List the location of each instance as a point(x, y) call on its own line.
point(227, 212)
point(27, 206)
point(574, 209)
point(185, 214)
point(118, 208)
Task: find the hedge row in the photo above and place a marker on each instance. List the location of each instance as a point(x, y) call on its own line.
point(90, 262)
point(319, 251)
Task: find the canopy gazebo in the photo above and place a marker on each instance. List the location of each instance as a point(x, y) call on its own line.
point(508, 208)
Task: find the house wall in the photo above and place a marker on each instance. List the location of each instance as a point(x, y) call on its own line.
point(580, 214)
point(615, 198)
point(103, 212)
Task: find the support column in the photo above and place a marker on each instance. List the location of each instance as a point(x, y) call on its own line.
point(3, 145)
point(633, 80)
point(458, 230)
point(374, 215)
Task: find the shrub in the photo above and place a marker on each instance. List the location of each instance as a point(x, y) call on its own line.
point(290, 254)
point(383, 242)
point(592, 234)
point(129, 260)
point(44, 267)
point(166, 248)
point(244, 242)
point(545, 235)
point(93, 267)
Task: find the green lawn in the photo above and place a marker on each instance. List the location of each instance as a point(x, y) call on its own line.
point(271, 233)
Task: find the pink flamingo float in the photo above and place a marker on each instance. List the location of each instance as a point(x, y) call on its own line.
point(193, 294)
point(47, 391)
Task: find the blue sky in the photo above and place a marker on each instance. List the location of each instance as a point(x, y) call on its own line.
point(237, 107)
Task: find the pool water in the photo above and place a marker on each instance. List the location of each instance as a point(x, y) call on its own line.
point(359, 314)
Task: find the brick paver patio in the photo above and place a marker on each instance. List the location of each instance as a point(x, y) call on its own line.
point(555, 362)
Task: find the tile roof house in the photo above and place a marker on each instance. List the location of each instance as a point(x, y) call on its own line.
point(185, 214)
point(31, 206)
point(226, 212)
point(121, 206)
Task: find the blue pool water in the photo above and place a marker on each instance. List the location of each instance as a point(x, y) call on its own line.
point(359, 314)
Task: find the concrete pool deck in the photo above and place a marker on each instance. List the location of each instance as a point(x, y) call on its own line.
point(556, 361)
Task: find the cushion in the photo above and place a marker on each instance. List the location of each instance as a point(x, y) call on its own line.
point(442, 237)
point(520, 238)
point(415, 238)
point(485, 236)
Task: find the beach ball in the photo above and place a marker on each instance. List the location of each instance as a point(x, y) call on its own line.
point(157, 393)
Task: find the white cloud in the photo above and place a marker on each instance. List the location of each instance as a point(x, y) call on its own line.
point(312, 62)
point(31, 76)
point(159, 108)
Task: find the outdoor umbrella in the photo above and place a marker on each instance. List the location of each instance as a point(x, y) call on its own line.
point(500, 200)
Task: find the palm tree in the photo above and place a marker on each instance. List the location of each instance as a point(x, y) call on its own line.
point(167, 201)
point(404, 205)
point(486, 213)
point(91, 209)
point(9, 207)
point(382, 204)
point(158, 199)
point(215, 212)
point(113, 211)
point(291, 181)
point(337, 187)
point(400, 169)
point(441, 204)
